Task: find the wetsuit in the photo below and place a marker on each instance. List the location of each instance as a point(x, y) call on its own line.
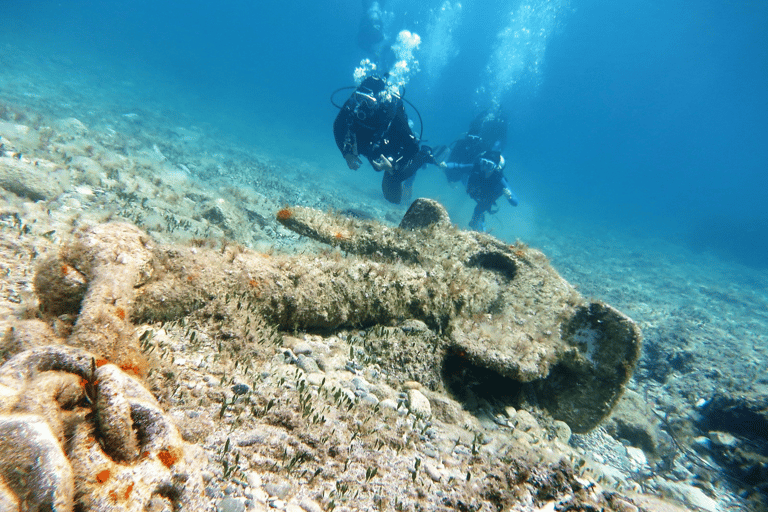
point(373, 123)
point(487, 132)
point(486, 187)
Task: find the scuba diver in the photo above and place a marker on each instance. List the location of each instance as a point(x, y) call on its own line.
point(485, 184)
point(373, 123)
point(487, 132)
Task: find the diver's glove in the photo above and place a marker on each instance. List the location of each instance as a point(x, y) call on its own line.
point(353, 161)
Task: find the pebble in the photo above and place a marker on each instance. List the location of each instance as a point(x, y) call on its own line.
point(419, 404)
point(688, 494)
point(232, 505)
point(315, 378)
point(307, 364)
point(289, 356)
point(213, 492)
point(302, 349)
point(389, 403)
point(703, 442)
point(240, 389)
point(361, 384)
point(277, 490)
point(562, 431)
point(637, 456)
point(430, 451)
point(310, 506)
point(260, 495)
point(253, 479)
point(723, 439)
point(525, 421)
point(432, 473)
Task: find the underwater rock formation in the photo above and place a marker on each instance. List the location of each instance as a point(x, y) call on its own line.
point(495, 314)
point(737, 430)
point(76, 431)
point(33, 179)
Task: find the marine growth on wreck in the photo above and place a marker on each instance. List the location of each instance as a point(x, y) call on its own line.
point(442, 327)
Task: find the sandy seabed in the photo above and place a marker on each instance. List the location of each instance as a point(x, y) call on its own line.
point(300, 420)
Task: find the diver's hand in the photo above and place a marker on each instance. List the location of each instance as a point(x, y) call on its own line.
point(442, 165)
point(353, 161)
point(383, 164)
point(512, 198)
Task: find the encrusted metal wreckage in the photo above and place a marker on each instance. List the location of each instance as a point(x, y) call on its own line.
point(459, 311)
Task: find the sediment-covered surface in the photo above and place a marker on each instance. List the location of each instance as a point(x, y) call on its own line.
point(255, 351)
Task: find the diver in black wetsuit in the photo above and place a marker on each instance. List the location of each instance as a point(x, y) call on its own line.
point(485, 184)
point(487, 132)
point(373, 123)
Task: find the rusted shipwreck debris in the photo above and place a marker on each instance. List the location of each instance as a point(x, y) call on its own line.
point(507, 321)
point(459, 310)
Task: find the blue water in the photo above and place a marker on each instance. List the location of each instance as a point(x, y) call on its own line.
point(645, 116)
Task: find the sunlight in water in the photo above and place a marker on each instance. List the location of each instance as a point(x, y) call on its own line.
point(406, 65)
point(521, 46)
point(440, 46)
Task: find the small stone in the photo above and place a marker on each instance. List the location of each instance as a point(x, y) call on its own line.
point(432, 473)
point(315, 378)
point(307, 364)
point(289, 356)
point(361, 384)
point(253, 479)
point(232, 505)
point(525, 421)
point(240, 389)
point(277, 490)
point(637, 456)
point(430, 451)
point(388, 403)
point(419, 404)
point(414, 325)
point(723, 439)
point(302, 348)
point(562, 431)
point(703, 442)
point(310, 505)
point(213, 492)
point(260, 495)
